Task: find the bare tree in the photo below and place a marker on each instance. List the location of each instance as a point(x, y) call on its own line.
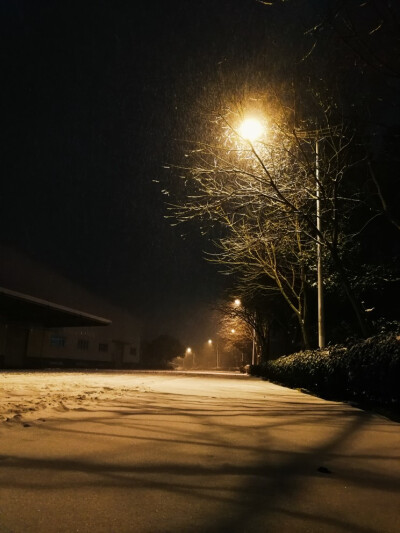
point(267, 255)
point(368, 30)
point(356, 44)
point(263, 195)
point(235, 332)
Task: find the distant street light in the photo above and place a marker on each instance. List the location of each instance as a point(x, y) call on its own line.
point(210, 343)
point(238, 303)
point(188, 352)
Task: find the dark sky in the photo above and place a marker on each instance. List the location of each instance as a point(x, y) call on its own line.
point(93, 96)
point(95, 99)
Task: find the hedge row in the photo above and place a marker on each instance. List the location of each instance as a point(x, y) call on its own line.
point(367, 371)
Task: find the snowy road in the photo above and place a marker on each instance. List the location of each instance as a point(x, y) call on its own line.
point(136, 452)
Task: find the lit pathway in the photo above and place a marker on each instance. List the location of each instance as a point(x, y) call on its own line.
point(108, 452)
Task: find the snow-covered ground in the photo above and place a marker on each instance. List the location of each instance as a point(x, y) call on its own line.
point(105, 452)
point(29, 396)
point(26, 396)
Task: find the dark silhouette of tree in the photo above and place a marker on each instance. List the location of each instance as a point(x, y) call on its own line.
point(159, 352)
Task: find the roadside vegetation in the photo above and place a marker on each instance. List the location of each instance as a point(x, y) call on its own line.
point(366, 372)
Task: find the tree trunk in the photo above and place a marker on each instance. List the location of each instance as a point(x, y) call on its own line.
point(304, 334)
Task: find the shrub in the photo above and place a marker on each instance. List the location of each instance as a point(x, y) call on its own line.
point(367, 371)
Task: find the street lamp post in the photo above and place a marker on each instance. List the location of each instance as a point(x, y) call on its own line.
point(321, 321)
point(253, 349)
point(250, 130)
point(238, 303)
point(320, 277)
point(188, 352)
point(210, 342)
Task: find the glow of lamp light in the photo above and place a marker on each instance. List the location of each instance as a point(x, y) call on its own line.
point(251, 129)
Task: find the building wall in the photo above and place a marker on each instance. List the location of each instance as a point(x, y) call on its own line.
point(3, 336)
point(81, 347)
point(108, 346)
point(15, 346)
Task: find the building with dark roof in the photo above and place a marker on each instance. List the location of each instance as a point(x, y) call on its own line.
point(55, 323)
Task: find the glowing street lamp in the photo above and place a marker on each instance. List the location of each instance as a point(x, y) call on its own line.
point(210, 343)
point(188, 352)
point(237, 302)
point(251, 129)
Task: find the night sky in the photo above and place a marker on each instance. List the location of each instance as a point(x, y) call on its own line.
point(94, 97)
point(98, 97)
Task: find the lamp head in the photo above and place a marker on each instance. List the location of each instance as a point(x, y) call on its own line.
point(251, 129)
